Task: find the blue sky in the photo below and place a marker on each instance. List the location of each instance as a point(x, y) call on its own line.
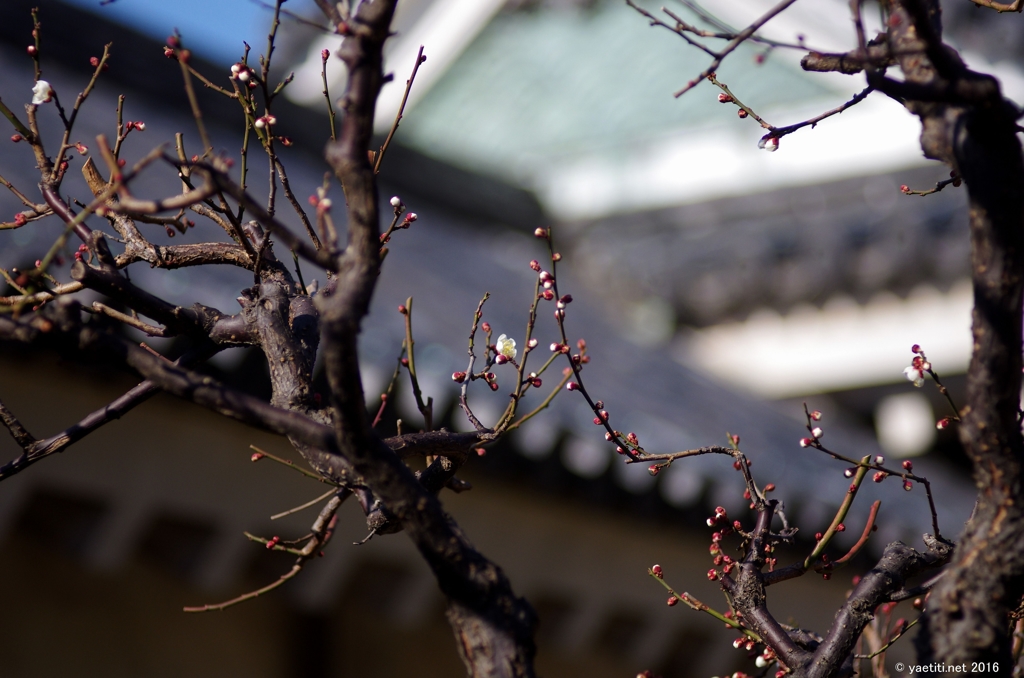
point(213, 29)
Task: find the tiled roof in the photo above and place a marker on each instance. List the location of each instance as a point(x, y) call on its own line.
point(543, 83)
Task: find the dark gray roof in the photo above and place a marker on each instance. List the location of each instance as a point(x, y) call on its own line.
point(720, 260)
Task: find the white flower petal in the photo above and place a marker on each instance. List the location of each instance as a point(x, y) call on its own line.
point(41, 93)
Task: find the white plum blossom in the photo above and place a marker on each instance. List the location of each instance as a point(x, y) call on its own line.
point(41, 93)
point(915, 376)
point(506, 346)
point(769, 143)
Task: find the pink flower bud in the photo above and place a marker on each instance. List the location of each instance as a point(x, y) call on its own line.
point(494, 386)
point(672, 600)
point(916, 348)
point(540, 233)
point(741, 113)
point(907, 485)
point(609, 437)
point(535, 265)
point(878, 477)
point(905, 190)
point(657, 571)
point(713, 576)
point(817, 432)
point(770, 487)
point(458, 377)
point(849, 472)
point(942, 424)
point(572, 386)
point(724, 98)
point(500, 359)
point(879, 459)
point(325, 54)
point(908, 465)
point(654, 469)
point(31, 49)
point(402, 309)
point(804, 442)
point(485, 326)
point(840, 528)
point(556, 257)
point(16, 138)
point(257, 456)
point(816, 415)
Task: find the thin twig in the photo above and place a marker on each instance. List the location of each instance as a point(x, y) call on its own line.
point(420, 58)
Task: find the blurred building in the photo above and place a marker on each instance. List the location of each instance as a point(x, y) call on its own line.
point(716, 285)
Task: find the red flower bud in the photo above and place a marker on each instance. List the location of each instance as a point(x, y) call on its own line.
point(672, 600)
point(657, 571)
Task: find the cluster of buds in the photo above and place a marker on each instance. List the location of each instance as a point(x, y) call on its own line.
point(241, 72)
point(720, 517)
point(745, 643)
point(135, 124)
point(265, 121)
point(83, 250)
point(273, 542)
point(602, 415)
point(765, 658)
